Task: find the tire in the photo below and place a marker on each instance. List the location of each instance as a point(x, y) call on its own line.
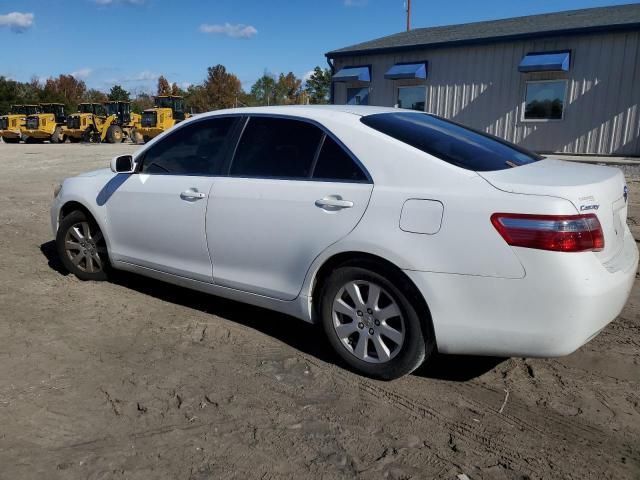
point(114, 134)
point(136, 137)
point(87, 259)
point(145, 138)
point(357, 330)
point(74, 139)
point(57, 136)
point(11, 140)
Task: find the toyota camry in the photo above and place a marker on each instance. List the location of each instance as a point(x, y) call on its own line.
point(400, 232)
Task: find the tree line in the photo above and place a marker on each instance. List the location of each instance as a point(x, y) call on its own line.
point(220, 89)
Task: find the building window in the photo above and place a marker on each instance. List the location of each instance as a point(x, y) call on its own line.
point(413, 98)
point(544, 100)
point(358, 96)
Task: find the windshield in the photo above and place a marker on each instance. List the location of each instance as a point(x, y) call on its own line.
point(85, 108)
point(112, 108)
point(17, 109)
point(31, 109)
point(450, 141)
point(164, 102)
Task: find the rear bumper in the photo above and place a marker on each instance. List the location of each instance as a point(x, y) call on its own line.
point(10, 133)
point(563, 302)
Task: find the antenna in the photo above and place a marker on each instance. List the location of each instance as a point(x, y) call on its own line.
point(408, 4)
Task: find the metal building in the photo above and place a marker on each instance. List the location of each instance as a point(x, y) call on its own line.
point(563, 82)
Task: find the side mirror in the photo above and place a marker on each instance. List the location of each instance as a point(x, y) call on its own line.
point(123, 164)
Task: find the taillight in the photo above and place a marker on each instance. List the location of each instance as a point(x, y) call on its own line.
point(559, 233)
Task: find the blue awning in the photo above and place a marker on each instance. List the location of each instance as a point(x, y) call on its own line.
point(545, 62)
point(353, 74)
point(407, 70)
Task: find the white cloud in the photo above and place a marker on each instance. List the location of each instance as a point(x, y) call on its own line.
point(81, 74)
point(16, 21)
point(239, 30)
point(307, 76)
point(185, 85)
point(143, 76)
point(355, 3)
point(145, 80)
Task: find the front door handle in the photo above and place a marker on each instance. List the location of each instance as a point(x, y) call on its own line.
point(333, 203)
point(192, 194)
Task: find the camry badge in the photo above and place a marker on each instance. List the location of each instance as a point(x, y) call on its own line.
point(589, 207)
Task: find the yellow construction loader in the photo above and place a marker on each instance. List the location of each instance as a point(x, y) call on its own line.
point(167, 111)
point(87, 124)
point(12, 123)
point(45, 125)
point(122, 123)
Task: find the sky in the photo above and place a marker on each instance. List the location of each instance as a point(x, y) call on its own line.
point(132, 42)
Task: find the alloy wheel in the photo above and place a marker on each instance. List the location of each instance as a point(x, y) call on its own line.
point(85, 248)
point(368, 321)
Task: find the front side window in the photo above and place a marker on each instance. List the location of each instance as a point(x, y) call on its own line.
point(335, 164)
point(413, 98)
point(545, 100)
point(451, 142)
point(276, 148)
point(196, 149)
point(358, 96)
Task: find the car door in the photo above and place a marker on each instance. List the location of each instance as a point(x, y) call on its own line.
point(157, 216)
point(292, 191)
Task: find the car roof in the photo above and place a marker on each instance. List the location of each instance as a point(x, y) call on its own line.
point(318, 112)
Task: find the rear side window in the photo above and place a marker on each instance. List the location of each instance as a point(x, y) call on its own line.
point(195, 149)
point(336, 164)
point(451, 142)
point(276, 147)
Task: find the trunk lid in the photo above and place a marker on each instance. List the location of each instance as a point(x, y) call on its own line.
point(590, 188)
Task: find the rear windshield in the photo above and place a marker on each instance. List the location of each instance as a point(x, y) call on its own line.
point(451, 142)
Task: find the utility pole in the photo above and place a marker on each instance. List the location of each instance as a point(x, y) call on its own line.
point(408, 15)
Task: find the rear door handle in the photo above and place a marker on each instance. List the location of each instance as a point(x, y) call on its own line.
point(192, 194)
point(333, 203)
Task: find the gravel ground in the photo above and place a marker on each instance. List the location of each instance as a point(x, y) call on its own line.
point(137, 379)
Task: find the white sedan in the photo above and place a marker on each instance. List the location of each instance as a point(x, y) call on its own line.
point(398, 231)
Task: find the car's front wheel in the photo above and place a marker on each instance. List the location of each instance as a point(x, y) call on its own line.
point(372, 322)
point(81, 247)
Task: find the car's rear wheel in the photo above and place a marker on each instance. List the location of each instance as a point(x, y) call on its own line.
point(372, 322)
point(81, 247)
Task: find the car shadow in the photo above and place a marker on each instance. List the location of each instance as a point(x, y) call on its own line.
point(296, 333)
point(48, 249)
point(457, 368)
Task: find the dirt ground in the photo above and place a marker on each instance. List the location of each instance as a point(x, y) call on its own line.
point(137, 379)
